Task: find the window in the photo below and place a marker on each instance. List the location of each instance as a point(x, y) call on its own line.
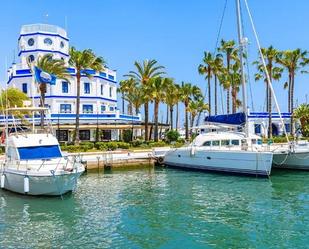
point(31, 58)
point(207, 143)
point(84, 134)
point(235, 142)
point(287, 127)
point(65, 108)
point(111, 108)
point(87, 88)
point(48, 41)
point(62, 44)
point(31, 42)
point(87, 108)
point(257, 129)
point(225, 142)
point(253, 141)
point(110, 91)
point(111, 77)
point(65, 87)
point(216, 143)
point(102, 89)
point(24, 88)
point(39, 152)
point(62, 135)
point(103, 108)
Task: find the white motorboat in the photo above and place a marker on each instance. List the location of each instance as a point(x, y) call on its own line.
point(34, 163)
point(230, 152)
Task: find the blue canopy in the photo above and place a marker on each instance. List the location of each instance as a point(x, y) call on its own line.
point(39, 152)
point(233, 119)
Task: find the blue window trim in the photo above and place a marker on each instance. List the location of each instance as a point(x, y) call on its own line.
point(24, 88)
point(42, 33)
point(111, 77)
point(103, 74)
point(65, 86)
point(42, 50)
point(66, 107)
point(74, 97)
point(87, 88)
point(88, 108)
point(23, 71)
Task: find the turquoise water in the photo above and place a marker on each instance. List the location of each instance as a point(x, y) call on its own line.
point(163, 208)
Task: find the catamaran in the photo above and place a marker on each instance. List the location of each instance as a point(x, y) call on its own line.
point(232, 151)
point(34, 163)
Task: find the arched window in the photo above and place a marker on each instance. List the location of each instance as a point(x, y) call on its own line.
point(31, 58)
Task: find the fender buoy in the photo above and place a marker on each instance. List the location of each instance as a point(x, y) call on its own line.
point(26, 184)
point(160, 160)
point(2, 180)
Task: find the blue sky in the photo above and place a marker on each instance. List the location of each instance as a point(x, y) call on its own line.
point(173, 32)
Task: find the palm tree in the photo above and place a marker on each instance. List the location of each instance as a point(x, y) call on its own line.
point(189, 93)
point(179, 99)
point(196, 107)
point(274, 72)
point(235, 83)
point(207, 68)
point(293, 61)
point(81, 61)
point(146, 70)
point(231, 53)
point(52, 66)
point(157, 90)
point(171, 98)
point(126, 87)
point(217, 68)
point(302, 113)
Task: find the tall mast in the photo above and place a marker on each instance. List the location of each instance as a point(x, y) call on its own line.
point(242, 43)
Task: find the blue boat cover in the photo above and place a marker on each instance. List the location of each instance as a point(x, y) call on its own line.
point(233, 119)
point(39, 152)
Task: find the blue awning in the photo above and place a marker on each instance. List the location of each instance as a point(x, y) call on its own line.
point(233, 119)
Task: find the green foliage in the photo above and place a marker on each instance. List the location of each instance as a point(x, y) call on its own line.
point(13, 97)
point(302, 113)
point(156, 144)
point(172, 135)
point(87, 145)
point(127, 135)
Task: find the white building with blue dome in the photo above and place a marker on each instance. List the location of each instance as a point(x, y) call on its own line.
point(98, 93)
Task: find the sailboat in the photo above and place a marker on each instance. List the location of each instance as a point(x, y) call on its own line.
point(231, 152)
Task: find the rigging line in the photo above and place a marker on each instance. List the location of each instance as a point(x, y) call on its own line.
point(266, 71)
point(220, 28)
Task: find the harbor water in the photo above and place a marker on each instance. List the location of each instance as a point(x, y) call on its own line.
point(163, 208)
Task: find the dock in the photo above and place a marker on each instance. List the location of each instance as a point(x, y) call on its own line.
point(112, 159)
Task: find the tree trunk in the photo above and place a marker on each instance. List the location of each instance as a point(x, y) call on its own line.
point(228, 90)
point(78, 76)
point(167, 114)
point(171, 116)
point(234, 97)
point(146, 107)
point(209, 93)
point(42, 102)
point(156, 129)
point(216, 97)
point(270, 127)
point(122, 102)
point(292, 104)
point(186, 121)
point(289, 92)
point(177, 116)
point(228, 100)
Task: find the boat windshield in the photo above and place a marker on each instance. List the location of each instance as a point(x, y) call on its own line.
point(39, 152)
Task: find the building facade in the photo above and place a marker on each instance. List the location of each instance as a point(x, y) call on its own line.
point(98, 101)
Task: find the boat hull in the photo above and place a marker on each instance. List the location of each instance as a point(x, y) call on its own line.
point(236, 162)
point(291, 160)
point(40, 184)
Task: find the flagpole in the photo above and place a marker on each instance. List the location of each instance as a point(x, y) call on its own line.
point(32, 93)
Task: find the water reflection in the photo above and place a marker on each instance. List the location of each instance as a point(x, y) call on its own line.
point(162, 208)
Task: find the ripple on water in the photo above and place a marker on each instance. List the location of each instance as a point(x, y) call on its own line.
point(163, 208)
